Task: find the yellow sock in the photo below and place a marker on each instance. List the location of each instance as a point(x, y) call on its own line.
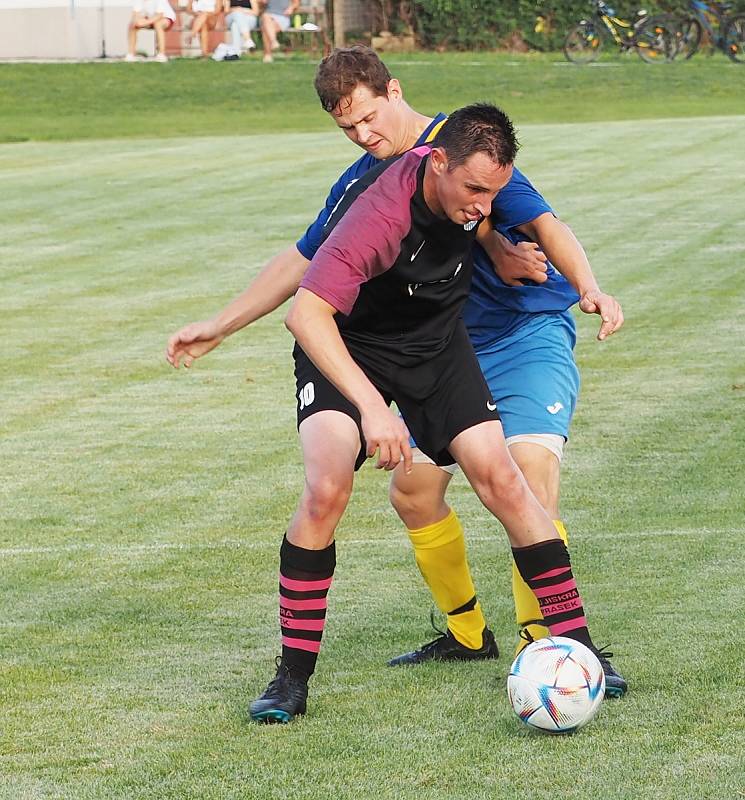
point(526, 605)
point(440, 552)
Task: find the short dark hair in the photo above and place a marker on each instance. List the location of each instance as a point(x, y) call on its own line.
point(344, 69)
point(478, 128)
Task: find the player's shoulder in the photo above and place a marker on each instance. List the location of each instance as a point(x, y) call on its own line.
point(519, 182)
point(360, 167)
point(397, 171)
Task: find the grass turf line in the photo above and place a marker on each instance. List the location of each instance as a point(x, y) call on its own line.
point(142, 508)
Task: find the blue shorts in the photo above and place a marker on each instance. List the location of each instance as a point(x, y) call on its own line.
point(533, 377)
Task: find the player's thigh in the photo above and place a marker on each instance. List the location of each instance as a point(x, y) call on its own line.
point(534, 379)
point(315, 394)
point(481, 452)
point(330, 443)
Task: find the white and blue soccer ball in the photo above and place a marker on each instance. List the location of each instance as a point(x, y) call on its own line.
point(556, 685)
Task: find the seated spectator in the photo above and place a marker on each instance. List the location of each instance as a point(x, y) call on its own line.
point(155, 14)
point(242, 18)
point(274, 20)
point(205, 20)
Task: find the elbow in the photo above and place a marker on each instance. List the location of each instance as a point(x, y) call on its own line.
point(291, 320)
point(295, 319)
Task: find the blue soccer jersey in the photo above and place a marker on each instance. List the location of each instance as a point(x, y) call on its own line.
point(313, 237)
point(494, 309)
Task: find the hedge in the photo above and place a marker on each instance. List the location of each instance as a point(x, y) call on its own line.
point(521, 24)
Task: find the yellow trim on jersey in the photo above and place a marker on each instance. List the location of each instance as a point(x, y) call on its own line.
point(435, 131)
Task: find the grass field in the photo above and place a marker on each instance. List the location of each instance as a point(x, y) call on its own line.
point(142, 508)
point(187, 98)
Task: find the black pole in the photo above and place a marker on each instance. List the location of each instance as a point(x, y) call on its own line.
point(103, 31)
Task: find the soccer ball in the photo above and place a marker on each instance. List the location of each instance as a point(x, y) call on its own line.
point(556, 685)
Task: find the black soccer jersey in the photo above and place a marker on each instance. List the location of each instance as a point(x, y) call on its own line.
point(397, 273)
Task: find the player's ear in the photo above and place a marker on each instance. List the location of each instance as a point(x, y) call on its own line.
point(394, 90)
point(439, 160)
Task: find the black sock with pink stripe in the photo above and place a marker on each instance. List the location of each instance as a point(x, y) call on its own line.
point(546, 568)
point(304, 580)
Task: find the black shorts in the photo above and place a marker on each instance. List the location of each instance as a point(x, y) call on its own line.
point(438, 398)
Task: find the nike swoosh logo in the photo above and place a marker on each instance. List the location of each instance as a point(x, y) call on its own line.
point(555, 408)
point(491, 406)
point(418, 249)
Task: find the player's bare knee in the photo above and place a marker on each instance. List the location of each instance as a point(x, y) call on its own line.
point(501, 487)
point(327, 497)
point(408, 505)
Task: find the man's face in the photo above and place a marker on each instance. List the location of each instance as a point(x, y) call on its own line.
point(373, 122)
point(465, 193)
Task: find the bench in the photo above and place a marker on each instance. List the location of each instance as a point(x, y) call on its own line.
point(309, 24)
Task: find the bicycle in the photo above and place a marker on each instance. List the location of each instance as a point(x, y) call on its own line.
point(726, 33)
point(652, 38)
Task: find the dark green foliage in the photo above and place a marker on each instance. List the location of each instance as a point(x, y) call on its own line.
point(519, 24)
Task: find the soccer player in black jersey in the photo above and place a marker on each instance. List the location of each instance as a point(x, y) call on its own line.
point(377, 318)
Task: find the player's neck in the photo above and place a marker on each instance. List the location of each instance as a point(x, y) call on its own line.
point(430, 192)
point(414, 124)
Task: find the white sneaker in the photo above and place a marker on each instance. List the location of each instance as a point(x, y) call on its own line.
point(310, 26)
point(268, 58)
point(162, 57)
point(130, 57)
point(220, 52)
point(249, 44)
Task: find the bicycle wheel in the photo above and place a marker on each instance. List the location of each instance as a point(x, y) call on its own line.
point(688, 38)
point(654, 39)
point(583, 43)
point(734, 39)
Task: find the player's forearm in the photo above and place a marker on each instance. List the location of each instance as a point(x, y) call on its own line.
point(275, 284)
point(493, 243)
point(311, 322)
point(564, 251)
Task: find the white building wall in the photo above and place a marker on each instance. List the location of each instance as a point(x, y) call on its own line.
point(67, 29)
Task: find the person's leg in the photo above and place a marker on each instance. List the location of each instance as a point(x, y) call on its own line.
point(541, 557)
point(542, 470)
point(534, 381)
point(132, 35)
point(241, 26)
point(161, 26)
point(196, 26)
point(439, 547)
point(233, 22)
point(330, 443)
point(249, 22)
point(204, 35)
point(238, 26)
point(269, 31)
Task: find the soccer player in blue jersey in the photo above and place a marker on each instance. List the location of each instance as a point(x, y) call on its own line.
point(518, 316)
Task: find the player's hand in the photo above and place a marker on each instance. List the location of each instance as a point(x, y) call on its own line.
point(192, 342)
point(386, 432)
point(523, 261)
point(609, 309)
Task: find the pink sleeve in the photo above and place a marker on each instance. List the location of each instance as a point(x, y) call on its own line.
point(367, 239)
